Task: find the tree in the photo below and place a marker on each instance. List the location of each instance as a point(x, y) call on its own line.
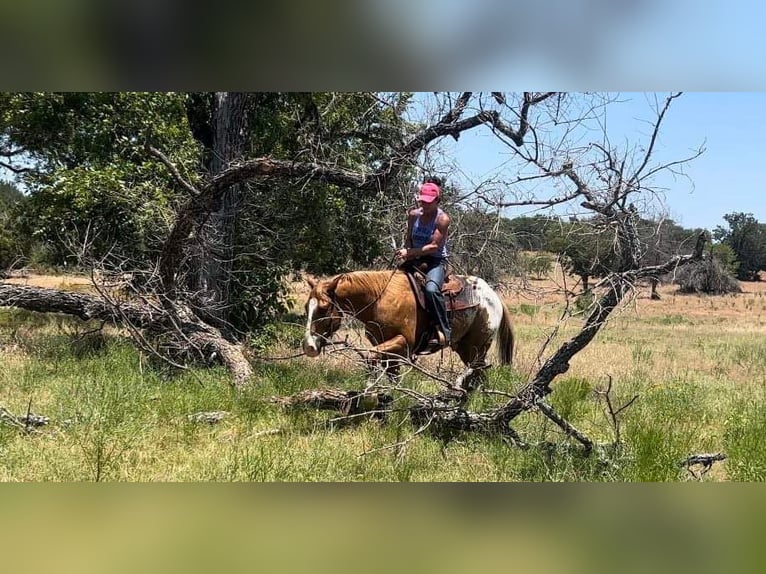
point(191, 148)
point(92, 180)
point(726, 256)
point(663, 238)
point(587, 248)
point(481, 243)
point(540, 265)
point(82, 159)
point(531, 233)
point(747, 238)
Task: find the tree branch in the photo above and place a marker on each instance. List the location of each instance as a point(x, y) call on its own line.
point(174, 171)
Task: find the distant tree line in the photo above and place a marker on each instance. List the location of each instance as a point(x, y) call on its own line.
point(588, 249)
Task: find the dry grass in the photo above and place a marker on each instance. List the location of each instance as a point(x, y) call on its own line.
point(66, 282)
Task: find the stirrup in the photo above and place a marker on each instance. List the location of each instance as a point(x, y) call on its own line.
point(438, 341)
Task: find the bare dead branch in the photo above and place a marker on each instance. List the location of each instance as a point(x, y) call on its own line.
point(565, 425)
point(612, 411)
point(174, 171)
point(637, 174)
point(15, 169)
point(25, 423)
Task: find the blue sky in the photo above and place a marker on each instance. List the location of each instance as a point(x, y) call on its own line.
point(728, 177)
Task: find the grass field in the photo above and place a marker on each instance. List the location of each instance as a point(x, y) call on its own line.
point(697, 364)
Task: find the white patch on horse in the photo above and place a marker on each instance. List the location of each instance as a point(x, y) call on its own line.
point(491, 302)
point(309, 341)
point(312, 308)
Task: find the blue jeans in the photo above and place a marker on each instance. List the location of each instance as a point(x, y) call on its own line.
point(433, 295)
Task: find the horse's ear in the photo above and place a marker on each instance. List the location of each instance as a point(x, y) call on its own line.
point(333, 283)
point(311, 281)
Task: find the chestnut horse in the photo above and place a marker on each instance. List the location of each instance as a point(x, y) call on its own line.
point(394, 323)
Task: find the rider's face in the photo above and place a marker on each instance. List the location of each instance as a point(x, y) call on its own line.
point(428, 208)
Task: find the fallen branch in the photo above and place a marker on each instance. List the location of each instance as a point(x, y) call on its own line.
point(612, 411)
point(566, 426)
point(175, 320)
point(705, 460)
point(348, 403)
point(209, 417)
point(25, 423)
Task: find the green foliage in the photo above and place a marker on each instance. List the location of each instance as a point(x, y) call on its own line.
point(747, 239)
point(726, 256)
point(586, 249)
point(570, 397)
point(319, 228)
point(674, 319)
point(12, 242)
point(116, 418)
point(91, 178)
point(531, 233)
point(743, 442)
point(481, 244)
point(92, 181)
point(283, 332)
point(584, 301)
point(529, 310)
point(83, 205)
point(660, 430)
point(540, 265)
point(664, 239)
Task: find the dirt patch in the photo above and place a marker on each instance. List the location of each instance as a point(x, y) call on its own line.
point(65, 282)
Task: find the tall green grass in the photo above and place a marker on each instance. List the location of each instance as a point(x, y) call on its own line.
point(115, 416)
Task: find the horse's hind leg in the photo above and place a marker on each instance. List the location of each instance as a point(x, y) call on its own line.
point(472, 350)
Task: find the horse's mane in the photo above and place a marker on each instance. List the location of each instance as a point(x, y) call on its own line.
point(374, 282)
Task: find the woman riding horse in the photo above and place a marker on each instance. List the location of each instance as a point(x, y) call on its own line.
point(426, 248)
point(395, 323)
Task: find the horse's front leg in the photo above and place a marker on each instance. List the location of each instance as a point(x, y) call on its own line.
point(389, 354)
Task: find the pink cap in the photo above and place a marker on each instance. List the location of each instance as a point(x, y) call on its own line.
point(429, 192)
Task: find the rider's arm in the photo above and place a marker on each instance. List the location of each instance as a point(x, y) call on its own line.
point(410, 223)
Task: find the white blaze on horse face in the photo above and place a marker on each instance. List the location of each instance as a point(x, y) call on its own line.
point(310, 346)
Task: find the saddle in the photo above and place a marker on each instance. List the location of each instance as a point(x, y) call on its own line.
point(458, 294)
point(453, 288)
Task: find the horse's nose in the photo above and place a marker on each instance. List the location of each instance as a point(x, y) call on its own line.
point(310, 347)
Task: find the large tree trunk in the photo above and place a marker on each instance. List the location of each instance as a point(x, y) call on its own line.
point(217, 252)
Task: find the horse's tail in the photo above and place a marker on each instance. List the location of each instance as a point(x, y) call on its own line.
point(505, 338)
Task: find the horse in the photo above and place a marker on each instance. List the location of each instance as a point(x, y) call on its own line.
point(395, 324)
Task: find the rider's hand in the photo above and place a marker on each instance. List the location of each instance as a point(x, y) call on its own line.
point(401, 254)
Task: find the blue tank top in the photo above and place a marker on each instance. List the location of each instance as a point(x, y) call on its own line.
point(422, 233)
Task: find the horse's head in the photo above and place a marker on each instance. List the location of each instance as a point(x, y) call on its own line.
point(323, 315)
